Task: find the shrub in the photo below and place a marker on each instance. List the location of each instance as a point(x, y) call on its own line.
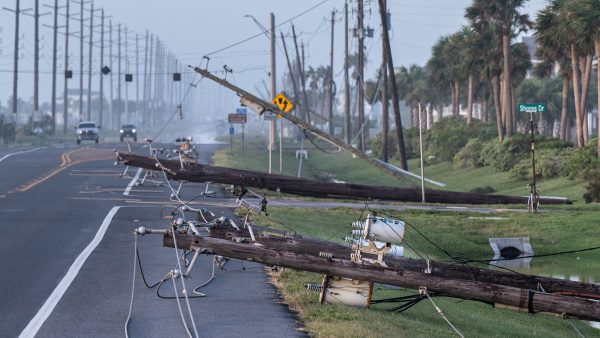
point(549, 163)
point(470, 155)
point(583, 159)
point(451, 134)
point(592, 179)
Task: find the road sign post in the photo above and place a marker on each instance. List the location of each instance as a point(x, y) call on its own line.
point(240, 116)
point(532, 108)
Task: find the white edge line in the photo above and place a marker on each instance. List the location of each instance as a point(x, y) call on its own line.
point(20, 152)
point(133, 180)
point(44, 312)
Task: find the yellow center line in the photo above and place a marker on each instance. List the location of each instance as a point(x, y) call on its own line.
point(58, 170)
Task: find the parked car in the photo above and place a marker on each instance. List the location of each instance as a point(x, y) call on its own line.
point(87, 130)
point(128, 130)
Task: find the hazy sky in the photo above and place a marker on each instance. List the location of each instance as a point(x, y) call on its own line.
point(193, 28)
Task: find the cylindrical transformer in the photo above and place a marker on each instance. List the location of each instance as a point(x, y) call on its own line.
point(346, 291)
point(384, 230)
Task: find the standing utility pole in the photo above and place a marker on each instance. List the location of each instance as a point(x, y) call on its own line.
point(119, 102)
point(384, 97)
point(148, 114)
point(17, 12)
point(54, 56)
point(273, 93)
point(110, 65)
point(126, 46)
point(361, 92)
point(66, 84)
point(347, 131)
point(81, 61)
point(145, 86)
point(101, 106)
point(330, 82)
point(90, 59)
point(137, 76)
point(395, 99)
point(36, 64)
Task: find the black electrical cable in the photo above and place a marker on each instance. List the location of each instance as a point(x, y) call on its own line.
point(315, 144)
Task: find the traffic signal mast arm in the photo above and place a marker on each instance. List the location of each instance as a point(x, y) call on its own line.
point(247, 97)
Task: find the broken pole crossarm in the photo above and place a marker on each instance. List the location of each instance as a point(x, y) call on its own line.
point(300, 186)
point(298, 122)
point(484, 292)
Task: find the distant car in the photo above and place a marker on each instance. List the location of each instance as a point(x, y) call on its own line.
point(128, 130)
point(87, 130)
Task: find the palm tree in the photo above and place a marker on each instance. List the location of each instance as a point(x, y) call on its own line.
point(586, 15)
point(506, 15)
point(553, 49)
point(492, 69)
point(437, 75)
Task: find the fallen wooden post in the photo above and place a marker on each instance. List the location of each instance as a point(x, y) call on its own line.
point(489, 293)
point(306, 187)
point(313, 246)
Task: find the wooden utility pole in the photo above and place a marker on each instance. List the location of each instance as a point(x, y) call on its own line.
point(347, 118)
point(66, 84)
point(360, 71)
point(101, 104)
point(145, 85)
point(36, 62)
point(273, 89)
point(81, 3)
point(148, 114)
point(291, 70)
point(330, 82)
point(306, 187)
point(533, 301)
point(302, 81)
point(90, 60)
point(137, 77)
point(395, 98)
point(311, 246)
point(54, 64)
point(112, 71)
point(384, 96)
point(119, 78)
point(126, 46)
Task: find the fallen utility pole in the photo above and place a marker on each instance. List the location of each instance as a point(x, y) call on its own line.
point(297, 121)
point(305, 187)
point(312, 246)
point(531, 300)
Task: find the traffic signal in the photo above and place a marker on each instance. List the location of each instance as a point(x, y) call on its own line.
point(176, 77)
point(105, 70)
point(128, 77)
point(68, 74)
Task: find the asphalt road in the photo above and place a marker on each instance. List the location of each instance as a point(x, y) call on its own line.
point(67, 253)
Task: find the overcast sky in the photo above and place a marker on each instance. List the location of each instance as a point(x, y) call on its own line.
point(193, 28)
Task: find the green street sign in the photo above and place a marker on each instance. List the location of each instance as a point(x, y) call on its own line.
point(532, 108)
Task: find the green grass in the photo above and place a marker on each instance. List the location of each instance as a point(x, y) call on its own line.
point(460, 235)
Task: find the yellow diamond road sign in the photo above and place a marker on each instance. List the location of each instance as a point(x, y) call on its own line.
point(283, 103)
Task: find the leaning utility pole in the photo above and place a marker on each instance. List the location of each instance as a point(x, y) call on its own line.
point(290, 69)
point(54, 56)
point(302, 81)
point(90, 59)
point(66, 84)
point(384, 98)
point(330, 82)
point(347, 131)
point(395, 99)
point(361, 69)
